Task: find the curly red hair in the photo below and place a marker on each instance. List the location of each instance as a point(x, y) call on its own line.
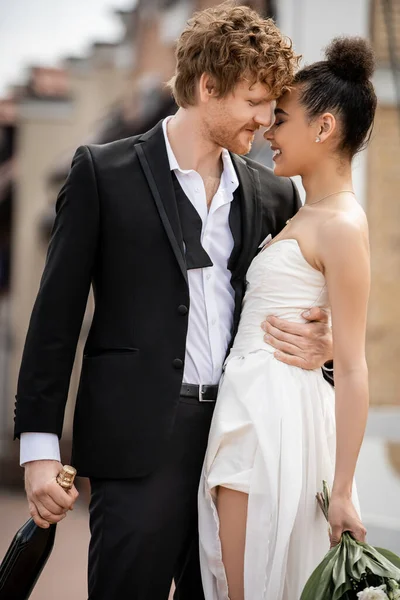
point(231, 43)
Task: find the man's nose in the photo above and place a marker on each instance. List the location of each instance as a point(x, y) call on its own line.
point(266, 116)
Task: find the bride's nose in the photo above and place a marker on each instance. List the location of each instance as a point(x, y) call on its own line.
point(269, 134)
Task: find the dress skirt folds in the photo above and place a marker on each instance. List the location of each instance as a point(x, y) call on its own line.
point(273, 438)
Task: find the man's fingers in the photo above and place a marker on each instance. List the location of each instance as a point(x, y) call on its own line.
point(316, 314)
point(65, 499)
point(73, 493)
point(288, 359)
point(53, 497)
point(282, 325)
point(47, 501)
point(289, 338)
point(36, 517)
point(52, 502)
point(48, 515)
point(285, 347)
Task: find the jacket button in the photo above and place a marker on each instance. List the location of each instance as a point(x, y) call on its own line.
point(177, 363)
point(182, 309)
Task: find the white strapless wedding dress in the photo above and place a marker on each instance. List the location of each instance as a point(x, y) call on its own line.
point(272, 437)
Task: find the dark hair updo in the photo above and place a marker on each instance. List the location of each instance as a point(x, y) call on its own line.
point(341, 85)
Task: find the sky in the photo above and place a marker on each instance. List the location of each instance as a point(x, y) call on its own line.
point(41, 32)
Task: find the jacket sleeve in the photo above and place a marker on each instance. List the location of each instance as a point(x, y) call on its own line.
point(296, 198)
point(328, 372)
point(59, 308)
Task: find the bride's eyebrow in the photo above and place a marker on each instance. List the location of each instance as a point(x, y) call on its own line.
point(280, 111)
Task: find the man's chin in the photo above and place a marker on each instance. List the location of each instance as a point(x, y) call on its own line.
point(241, 149)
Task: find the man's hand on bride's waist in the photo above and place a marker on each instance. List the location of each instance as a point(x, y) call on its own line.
point(305, 345)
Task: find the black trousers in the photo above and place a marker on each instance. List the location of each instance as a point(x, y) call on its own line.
point(144, 531)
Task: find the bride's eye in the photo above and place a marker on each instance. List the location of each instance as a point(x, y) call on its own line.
point(277, 123)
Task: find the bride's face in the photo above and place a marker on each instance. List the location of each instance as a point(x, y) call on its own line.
point(292, 137)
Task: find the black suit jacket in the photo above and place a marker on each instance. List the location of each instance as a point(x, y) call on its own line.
point(117, 228)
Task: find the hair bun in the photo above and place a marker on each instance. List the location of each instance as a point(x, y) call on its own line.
point(351, 58)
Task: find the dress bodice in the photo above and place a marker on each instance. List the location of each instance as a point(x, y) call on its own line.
point(279, 282)
point(272, 437)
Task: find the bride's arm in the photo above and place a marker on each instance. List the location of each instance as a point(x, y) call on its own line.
point(345, 259)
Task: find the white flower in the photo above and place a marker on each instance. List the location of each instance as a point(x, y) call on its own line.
point(394, 593)
point(373, 593)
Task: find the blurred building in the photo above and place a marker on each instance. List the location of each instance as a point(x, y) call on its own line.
point(383, 207)
point(7, 177)
point(383, 210)
point(118, 90)
point(54, 112)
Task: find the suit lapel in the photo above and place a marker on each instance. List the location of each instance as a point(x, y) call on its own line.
point(153, 158)
point(152, 154)
point(250, 200)
point(235, 224)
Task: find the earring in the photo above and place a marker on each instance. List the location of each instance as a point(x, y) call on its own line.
point(317, 139)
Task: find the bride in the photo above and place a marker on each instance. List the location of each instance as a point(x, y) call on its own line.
point(279, 430)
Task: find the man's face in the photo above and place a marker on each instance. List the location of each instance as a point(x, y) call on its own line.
point(231, 122)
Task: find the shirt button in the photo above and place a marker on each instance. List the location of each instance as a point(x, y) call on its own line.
point(177, 363)
point(182, 309)
point(208, 276)
point(197, 190)
point(213, 321)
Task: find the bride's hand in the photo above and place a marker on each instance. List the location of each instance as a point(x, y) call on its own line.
point(343, 517)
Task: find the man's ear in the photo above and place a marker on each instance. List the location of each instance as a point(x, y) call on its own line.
point(207, 89)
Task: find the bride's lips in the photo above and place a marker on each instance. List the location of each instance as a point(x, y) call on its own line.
point(277, 152)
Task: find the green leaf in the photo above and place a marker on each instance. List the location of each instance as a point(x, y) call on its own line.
point(327, 495)
point(379, 564)
point(390, 556)
point(341, 579)
point(347, 562)
point(332, 579)
point(356, 562)
point(321, 503)
point(339, 568)
point(319, 585)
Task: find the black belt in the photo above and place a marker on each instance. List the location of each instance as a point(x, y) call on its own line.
point(204, 393)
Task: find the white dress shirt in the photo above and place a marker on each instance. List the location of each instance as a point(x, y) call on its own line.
point(211, 294)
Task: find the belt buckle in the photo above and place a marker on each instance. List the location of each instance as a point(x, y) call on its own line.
point(201, 399)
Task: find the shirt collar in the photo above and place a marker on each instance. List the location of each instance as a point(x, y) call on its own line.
point(229, 178)
point(173, 163)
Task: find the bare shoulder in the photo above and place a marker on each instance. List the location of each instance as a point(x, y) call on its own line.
point(344, 237)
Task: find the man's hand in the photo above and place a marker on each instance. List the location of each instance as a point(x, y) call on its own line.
point(305, 345)
point(48, 501)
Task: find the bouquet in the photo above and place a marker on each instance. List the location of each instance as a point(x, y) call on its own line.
point(353, 570)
